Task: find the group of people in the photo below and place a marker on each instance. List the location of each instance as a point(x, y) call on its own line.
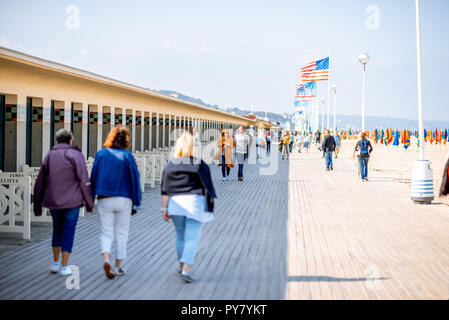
point(289, 139)
point(63, 186)
point(329, 145)
point(238, 145)
point(363, 148)
point(187, 191)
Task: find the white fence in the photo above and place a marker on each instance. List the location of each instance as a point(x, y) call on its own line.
point(16, 190)
point(15, 203)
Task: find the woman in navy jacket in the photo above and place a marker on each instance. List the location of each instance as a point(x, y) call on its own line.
point(115, 180)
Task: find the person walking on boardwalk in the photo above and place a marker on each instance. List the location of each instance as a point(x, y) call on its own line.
point(363, 148)
point(299, 142)
point(241, 146)
point(268, 139)
point(285, 143)
point(63, 186)
point(115, 180)
point(188, 200)
point(307, 142)
point(318, 138)
point(292, 141)
point(224, 154)
point(329, 148)
point(444, 187)
point(337, 145)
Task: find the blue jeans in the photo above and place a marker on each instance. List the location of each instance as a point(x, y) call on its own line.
point(64, 224)
point(240, 170)
point(328, 156)
point(363, 167)
point(188, 233)
point(224, 169)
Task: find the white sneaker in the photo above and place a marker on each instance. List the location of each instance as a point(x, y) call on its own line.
point(119, 271)
point(223, 179)
point(55, 267)
point(227, 178)
point(66, 271)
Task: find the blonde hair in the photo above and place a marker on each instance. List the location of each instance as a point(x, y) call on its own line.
point(184, 146)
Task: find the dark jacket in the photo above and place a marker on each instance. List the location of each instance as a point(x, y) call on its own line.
point(359, 146)
point(444, 189)
point(115, 174)
point(62, 182)
point(329, 144)
point(188, 175)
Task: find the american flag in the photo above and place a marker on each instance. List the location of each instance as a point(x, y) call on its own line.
point(306, 91)
point(316, 71)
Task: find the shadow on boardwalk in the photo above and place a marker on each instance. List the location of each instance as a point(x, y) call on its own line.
point(242, 253)
point(329, 279)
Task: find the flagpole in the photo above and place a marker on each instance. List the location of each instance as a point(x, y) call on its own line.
point(328, 95)
point(420, 95)
point(422, 174)
point(322, 113)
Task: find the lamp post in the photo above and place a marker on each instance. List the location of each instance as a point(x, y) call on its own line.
point(364, 58)
point(335, 87)
point(323, 100)
point(422, 174)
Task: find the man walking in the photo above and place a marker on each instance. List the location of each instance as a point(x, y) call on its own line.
point(241, 145)
point(328, 149)
point(318, 138)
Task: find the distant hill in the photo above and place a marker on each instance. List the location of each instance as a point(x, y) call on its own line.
point(186, 98)
point(343, 121)
point(352, 121)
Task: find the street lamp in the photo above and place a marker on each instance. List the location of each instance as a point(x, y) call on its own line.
point(364, 59)
point(335, 87)
point(422, 175)
point(323, 100)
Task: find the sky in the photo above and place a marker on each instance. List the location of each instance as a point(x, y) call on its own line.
point(246, 54)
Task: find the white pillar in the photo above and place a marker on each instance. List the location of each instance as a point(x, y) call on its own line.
point(420, 93)
point(163, 130)
point(67, 114)
point(85, 123)
point(21, 132)
point(100, 128)
point(157, 130)
point(133, 131)
point(363, 98)
point(335, 110)
point(328, 104)
point(142, 130)
point(151, 132)
point(46, 135)
point(112, 117)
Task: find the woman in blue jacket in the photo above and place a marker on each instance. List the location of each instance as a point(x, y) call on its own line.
point(115, 180)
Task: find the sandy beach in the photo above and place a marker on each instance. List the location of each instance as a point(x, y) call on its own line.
point(396, 163)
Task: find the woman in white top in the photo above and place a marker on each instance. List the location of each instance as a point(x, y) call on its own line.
point(241, 146)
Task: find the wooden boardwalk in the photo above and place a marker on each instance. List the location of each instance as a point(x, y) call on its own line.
point(298, 234)
point(354, 240)
point(242, 253)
